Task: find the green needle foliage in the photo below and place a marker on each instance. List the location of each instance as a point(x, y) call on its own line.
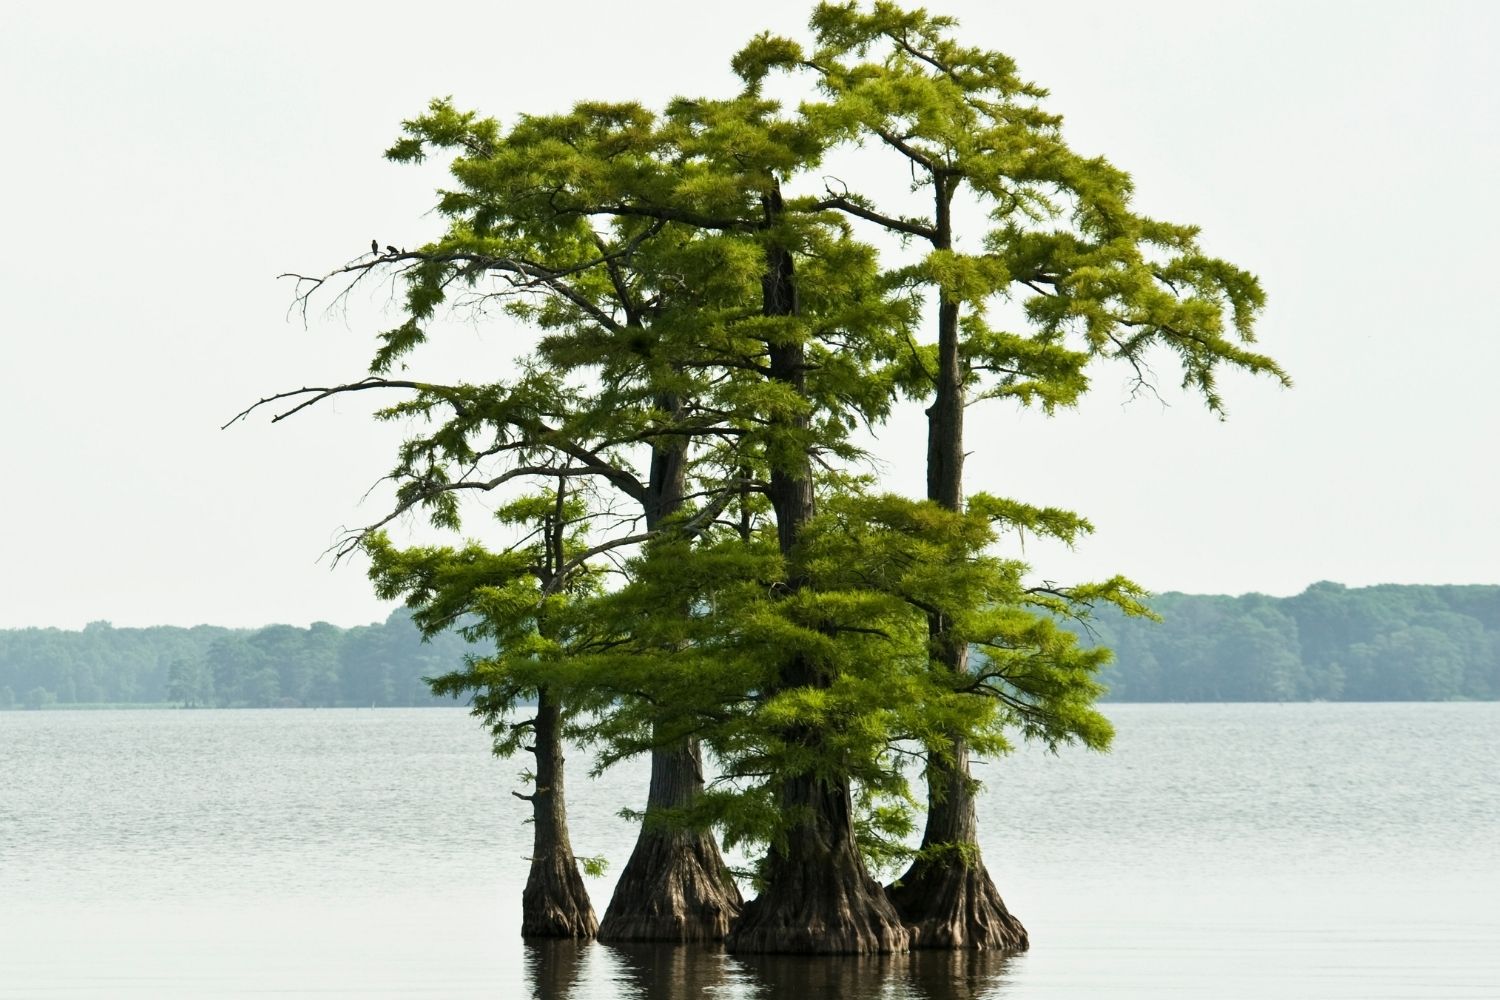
point(872, 568)
point(687, 550)
point(1021, 232)
point(516, 599)
point(1093, 276)
point(514, 602)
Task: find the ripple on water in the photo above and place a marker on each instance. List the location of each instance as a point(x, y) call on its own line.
point(1334, 851)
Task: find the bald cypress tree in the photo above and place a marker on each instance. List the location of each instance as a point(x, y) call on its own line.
point(795, 357)
point(512, 599)
point(658, 260)
point(605, 315)
point(1053, 230)
point(710, 335)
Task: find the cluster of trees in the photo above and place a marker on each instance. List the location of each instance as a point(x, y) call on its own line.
point(1331, 643)
point(682, 550)
point(323, 666)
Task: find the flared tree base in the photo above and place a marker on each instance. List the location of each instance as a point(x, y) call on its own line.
point(674, 888)
point(555, 903)
point(953, 904)
point(820, 910)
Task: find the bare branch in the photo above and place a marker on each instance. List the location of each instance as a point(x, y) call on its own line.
point(906, 226)
point(320, 393)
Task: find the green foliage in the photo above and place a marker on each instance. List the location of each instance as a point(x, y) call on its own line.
point(870, 570)
point(682, 547)
point(596, 866)
point(1093, 277)
point(515, 602)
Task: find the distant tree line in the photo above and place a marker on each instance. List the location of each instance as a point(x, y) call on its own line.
point(1331, 643)
point(280, 665)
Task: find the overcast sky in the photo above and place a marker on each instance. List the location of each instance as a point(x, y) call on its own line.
point(164, 163)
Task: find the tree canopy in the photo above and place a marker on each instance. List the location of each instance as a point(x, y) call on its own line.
point(692, 551)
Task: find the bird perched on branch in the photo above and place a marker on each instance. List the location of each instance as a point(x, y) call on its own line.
point(391, 250)
point(375, 247)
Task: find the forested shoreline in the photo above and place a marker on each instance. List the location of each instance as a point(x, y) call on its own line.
point(320, 666)
point(1328, 643)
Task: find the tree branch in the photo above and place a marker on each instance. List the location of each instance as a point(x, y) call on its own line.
point(843, 204)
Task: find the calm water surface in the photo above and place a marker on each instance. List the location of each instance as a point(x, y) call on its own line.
point(1223, 851)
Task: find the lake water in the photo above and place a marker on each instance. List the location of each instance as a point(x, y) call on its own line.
point(1221, 851)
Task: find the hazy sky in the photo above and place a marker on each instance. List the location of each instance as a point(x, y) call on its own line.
point(163, 163)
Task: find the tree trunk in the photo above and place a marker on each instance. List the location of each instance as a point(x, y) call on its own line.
point(555, 903)
point(947, 897)
point(675, 886)
point(818, 898)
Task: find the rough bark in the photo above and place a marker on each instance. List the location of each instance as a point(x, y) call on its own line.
point(675, 886)
point(818, 898)
point(947, 896)
point(948, 899)
point(554, 903)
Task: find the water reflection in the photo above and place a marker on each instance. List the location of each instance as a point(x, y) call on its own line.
point(921, 975)
point(565, 970)
point(673, 971)
point(552, 967)
point(951, 975)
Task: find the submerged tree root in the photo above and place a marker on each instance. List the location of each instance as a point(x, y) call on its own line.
point(555, 903)
point(674, 888)
point(819, 897)
point(948, 903)
point(820, 917)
